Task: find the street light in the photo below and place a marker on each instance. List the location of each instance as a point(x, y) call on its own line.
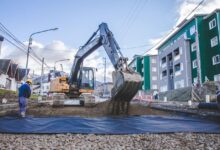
point(59, 61)
point(29, 46)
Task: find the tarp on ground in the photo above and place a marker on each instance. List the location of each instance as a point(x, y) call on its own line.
point(108, 125)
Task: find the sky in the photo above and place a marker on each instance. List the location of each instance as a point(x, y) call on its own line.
point(137, 26)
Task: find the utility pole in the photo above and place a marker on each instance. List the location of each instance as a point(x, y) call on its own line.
point(105, 86)
point(29, 47)
point(42, 73)
point(61, 65)
point(104, 70)
point(28, 52)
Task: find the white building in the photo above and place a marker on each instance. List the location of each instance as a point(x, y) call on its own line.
point(10, 74)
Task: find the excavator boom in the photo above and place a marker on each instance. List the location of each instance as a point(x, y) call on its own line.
point(126, 82)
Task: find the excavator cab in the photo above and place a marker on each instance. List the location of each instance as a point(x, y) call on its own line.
point(86, 80)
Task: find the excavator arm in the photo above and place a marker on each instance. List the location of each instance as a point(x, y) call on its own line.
point(126, 83)
point(106, 40)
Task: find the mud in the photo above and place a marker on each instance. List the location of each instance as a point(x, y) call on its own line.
point(101, 109)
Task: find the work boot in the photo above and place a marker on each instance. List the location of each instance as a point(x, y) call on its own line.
point(22, 114)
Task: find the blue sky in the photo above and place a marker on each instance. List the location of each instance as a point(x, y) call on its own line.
point(133, 23)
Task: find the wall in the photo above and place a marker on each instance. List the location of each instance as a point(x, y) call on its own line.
point(207, 52)
point(3, 78)
point(175, 79)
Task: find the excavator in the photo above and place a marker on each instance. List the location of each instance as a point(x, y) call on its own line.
point(81, 80)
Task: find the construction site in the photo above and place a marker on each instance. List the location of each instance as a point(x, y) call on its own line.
point(105, 94)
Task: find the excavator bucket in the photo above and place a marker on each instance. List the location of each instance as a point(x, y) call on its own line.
point(125, 85)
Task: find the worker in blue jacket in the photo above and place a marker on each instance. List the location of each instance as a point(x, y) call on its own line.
point(24, 94)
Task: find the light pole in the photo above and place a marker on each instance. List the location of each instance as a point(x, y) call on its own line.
point(59, 61)
point(29, 47)
point(41, 79)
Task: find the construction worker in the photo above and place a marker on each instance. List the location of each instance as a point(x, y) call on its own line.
point(24, 93)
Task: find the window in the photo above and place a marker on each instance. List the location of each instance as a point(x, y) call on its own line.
point(214, 41)
point(176, 52)
point(164, 73)
point(194, 64)
point(192, 30)
point(8, 84)
point(217, 77)
point(154, 69)
point(193, 47)
point(177, 67)
point(163, 60)
point(212, 24)
point(215, 59)
point(170, 57)
point(154, 78)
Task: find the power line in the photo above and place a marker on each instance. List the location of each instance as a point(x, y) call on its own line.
point(126, 19)
point(8, 33)
point(133, 18)
point(21, 49)
point(135, 47)
point(199, 4)
point(154, 46)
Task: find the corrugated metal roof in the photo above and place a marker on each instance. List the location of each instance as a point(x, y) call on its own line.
point(4, 65)
point(20, 73)
point(11, 69)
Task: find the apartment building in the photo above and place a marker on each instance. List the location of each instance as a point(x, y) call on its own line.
point(191, 54)
point(146, 66)
point(10, 74)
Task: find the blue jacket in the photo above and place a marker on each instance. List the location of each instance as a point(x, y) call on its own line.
point(24, 90)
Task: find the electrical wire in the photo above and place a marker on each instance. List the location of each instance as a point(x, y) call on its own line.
point(21, 49)
point(155, 45)
point(133, 18)
point(8, 33)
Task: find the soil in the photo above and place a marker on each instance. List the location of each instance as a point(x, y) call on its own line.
point(101, 109)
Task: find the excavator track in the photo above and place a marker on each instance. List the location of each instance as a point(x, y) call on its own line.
point(125, 87)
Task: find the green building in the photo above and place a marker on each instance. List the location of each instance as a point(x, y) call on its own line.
point(191, 54)
point(146, 66)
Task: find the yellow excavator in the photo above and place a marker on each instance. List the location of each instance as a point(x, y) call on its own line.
point(126, 82)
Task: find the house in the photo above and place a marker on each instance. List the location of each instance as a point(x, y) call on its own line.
point(10, 74)
point(191, 55)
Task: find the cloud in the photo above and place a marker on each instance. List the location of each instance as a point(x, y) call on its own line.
point(54, 51)
point(187, 6)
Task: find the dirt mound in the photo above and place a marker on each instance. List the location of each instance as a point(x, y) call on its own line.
point(101, 109)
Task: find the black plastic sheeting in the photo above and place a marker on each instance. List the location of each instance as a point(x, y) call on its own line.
point(107, 125)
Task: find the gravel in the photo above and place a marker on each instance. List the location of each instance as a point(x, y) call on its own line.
point(90, 141)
